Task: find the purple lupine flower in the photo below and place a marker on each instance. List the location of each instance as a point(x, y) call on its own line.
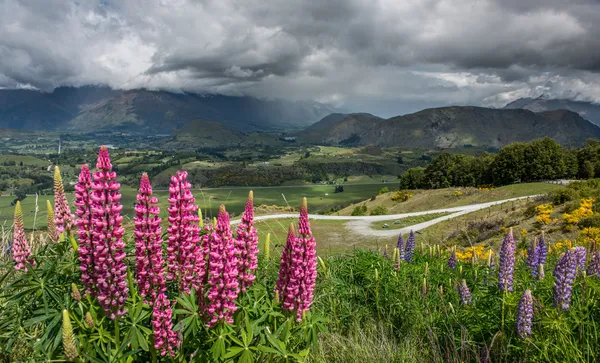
point(533, 257)
point(62, 213)
point(300, 287)
point(543, 250)
point(507, 263)
point(286, 260)
point(182, 248)
point(410, 247)
point(594, 266)
point(247, 245)
point(465, 293)
point(564, 274)
point(20, 249)
point(148, 244)
point(400, 246)
point(452, 260)
point(222, 272)
point(580, 255)
point(165, 339)
point(83, 211)
point(525, 315)
point(107, 239)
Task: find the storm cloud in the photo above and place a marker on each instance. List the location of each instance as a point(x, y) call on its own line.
point(386, 57)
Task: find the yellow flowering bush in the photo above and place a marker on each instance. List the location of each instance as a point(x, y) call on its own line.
point(542, 213)
point(457, 193)
point(560, 246)
point(589, 237)
point(467, 254)
point(402, 196)
point(584, 210)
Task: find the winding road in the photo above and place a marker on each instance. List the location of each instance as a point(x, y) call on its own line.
point(362, 224)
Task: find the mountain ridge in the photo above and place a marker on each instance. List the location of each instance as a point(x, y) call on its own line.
point(457, 126)
point(97, 108)
point(588, 110)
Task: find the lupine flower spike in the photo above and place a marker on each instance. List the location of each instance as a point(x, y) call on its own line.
point(68, 338)
point(410, 247)
point(286, 260)
point(580, 255)
point(52, 231)
point(148, 244)
point(298, 295)
point(400, 246)
point(525, 315)
point(543, 249)
point(465, 293)
point(62, 212)
point(222, 272)
point(110, 269)
point(20, 249)
point(533, 257)
point(182, 251)
point(507, 263)
point(83, 211)
point(165, 339)
point(452, 260)
point(594, 266)
point(247, 245)
point(564, 274)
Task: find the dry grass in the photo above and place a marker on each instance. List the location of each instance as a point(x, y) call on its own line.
point(424, 200)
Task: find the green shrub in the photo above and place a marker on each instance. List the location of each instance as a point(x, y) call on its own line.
point(563, 195)
point(379, 211)
point(591, 221)
point(384, 190)
point(360, 210)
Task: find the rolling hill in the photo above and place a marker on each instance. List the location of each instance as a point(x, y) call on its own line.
point(91, 108)
point(449, 127)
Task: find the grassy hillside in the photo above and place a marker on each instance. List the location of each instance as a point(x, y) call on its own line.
point(424, 200)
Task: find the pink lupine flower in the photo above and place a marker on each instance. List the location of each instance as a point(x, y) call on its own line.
point(21, 251)
point(299, 291)
point(110, 269)
point(62, 212)
point(247, 245)
point(223, 284)
point(182, 248)
point(165, 339)
point(83, 210)
point(286, 258)
point(148, 244)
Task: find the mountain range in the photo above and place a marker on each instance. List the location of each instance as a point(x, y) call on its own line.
point(196, 120)
point(587, 110)
point(448, 127)
point(91, 108)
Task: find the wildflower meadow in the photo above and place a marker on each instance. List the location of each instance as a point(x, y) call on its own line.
point(96, 287)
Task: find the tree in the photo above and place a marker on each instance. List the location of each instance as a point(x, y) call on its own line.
point(413, 178)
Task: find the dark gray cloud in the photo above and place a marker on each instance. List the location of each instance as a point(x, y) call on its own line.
point(382, 56)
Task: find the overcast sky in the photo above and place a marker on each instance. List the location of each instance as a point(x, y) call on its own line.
point(386, 57)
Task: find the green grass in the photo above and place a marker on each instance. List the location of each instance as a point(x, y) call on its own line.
point(408, 221)
point(209, 200)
